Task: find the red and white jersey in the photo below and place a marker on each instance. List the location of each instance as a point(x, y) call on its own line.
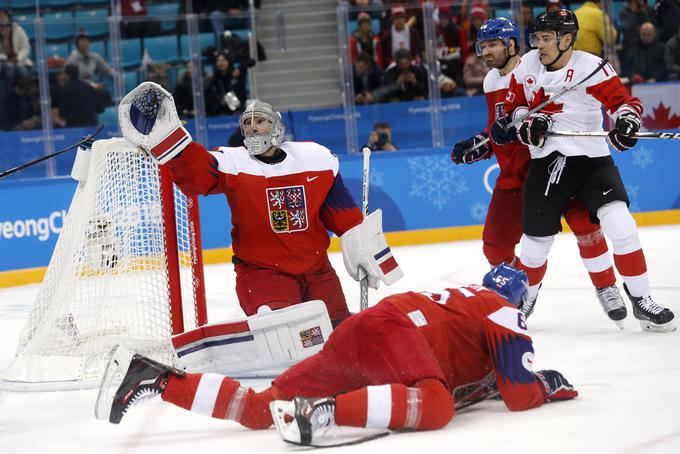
point(280, 212)
point(513, 158)
point(577, 110)
point(473, 331)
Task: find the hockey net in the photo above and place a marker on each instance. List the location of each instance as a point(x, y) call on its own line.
point(126, 270)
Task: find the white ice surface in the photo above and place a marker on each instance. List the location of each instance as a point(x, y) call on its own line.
point(629, 381)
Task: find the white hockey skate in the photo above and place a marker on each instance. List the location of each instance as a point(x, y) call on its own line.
point(652, 317)
point(310, 421)
point(612, 304)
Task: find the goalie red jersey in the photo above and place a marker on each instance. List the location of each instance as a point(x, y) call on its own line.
point(281, 211)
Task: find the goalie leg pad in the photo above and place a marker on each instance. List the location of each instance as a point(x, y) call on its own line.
point(263, 345)
point(365, 247)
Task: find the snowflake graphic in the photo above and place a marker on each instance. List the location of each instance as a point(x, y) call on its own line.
point(632, 192)
point(377, 178)
point(642, 157)
point(434, 179)
point(478, 211)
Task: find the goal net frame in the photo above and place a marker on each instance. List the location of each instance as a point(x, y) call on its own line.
point(127, 269)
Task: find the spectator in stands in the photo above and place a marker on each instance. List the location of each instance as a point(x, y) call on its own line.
point(381, 137)
point(400, 35)
point(672, 57)
point(468, 32)
point(15, 50)
point(528, 21)
point(77, 100)
point(449, 88)
point(473, 74)
point(158, 72)
point(91, 67)
point(225, 92)
point(634, 14)
point(667, 18)
point(183, 94)
point(553, 5)
point(24, 100)
point(644, 61)
point(371, 7)
point(367, 78)
point(134, 24)
point(228, 14)
point(364, 40)
point(592, 33)
point(448, 36)
point(405, 81)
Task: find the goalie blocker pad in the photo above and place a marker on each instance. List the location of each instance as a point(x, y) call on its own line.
point(263, 345)
point(364, 246)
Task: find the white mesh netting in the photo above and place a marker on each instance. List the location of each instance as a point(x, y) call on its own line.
point(107, 282)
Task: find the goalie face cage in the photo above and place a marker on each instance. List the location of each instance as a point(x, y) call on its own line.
point(126, 270)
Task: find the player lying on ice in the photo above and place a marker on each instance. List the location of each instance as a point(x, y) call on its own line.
point(401, 364)
point(284, 197)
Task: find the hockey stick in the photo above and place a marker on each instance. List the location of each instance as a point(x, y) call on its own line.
point(637, 135)
point(9, 172)
point(363, 282)
point(519, 121)
point(475, 392)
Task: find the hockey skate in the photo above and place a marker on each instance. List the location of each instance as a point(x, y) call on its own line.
point(143, 379)
point(652, 317)
point(612, 304)
point(303, 420)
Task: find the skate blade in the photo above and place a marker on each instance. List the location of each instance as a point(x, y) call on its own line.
point(650, 327)
point(619, 323)
point(113, 376)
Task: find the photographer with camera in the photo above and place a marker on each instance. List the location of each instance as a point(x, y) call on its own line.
point(381, 137)
point(225, 92)
point(405, 81)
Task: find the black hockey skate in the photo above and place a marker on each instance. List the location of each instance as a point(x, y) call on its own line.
point(144, 379)
point(612, 304)
point(304, 419)
point(652, 317)
point(527, 308)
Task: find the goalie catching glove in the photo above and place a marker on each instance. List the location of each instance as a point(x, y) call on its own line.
point(148, 119)
point(364, 246)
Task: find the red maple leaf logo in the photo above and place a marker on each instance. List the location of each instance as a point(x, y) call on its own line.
point(661, 119)
point(539, 98)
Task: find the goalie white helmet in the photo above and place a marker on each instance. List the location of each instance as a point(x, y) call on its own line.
point(262, 127)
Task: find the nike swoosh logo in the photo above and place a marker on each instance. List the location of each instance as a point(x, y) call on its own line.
point(312, 178)
point(607, 192)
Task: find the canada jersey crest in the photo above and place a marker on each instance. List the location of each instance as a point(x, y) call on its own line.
point(287, 209)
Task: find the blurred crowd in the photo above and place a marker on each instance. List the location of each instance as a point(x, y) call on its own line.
point(386, 46)
point(387, 49)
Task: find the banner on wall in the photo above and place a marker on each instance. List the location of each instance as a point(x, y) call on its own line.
point(662, 106)
point(419, 189)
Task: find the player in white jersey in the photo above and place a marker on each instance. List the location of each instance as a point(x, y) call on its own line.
point(497, 42)
point(563, 168)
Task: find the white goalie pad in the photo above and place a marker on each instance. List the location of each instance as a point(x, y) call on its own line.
point(365, 246)
point(263, 345)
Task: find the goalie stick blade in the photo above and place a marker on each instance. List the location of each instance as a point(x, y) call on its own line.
point(113, 376)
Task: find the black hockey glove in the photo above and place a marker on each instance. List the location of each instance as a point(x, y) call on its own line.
point(460, 155)
point(555, 386)
point(621, 137)
point(498, 133)
point(534, 130)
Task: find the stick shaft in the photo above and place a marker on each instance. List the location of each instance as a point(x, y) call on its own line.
point(638, 135)
point(363, 282)
point(9, 172)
